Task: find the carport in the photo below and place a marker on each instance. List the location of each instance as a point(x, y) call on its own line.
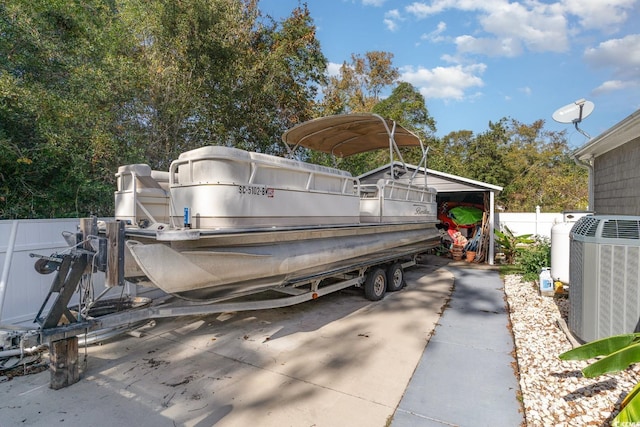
point(452, 189)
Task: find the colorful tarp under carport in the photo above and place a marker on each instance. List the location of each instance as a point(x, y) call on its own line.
point(466, 215)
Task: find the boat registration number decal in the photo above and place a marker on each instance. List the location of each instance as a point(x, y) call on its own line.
point(256, 191)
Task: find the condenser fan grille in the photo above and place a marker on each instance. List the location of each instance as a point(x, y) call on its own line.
point(612, 230)
point(586, 226)
point(621, 229)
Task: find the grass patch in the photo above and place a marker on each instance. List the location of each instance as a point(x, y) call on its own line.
point(506, 269)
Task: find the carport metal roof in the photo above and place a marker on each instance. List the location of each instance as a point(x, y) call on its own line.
point(447, 183)
point(444, 182)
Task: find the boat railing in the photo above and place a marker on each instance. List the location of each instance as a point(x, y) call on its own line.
point(142, 194)
point(389, 189)
point(218, 167)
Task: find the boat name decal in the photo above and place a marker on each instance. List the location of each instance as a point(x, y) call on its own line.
point(422, 210)
point(256, 190)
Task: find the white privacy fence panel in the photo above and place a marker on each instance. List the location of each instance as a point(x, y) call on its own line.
point(22, 289)
point(529, 223)
point(26, 289)
point(536, 223)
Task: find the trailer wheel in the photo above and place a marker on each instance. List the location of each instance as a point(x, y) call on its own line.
point(395, 277)
point(375, 285)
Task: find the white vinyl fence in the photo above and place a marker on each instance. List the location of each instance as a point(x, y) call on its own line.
point(536, 223)
point(25, 289)
point(22, 289)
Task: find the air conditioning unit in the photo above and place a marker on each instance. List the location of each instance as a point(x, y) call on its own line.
point(604, 294)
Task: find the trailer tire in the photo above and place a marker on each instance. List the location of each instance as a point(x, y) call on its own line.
point(375, 285)
point(395, 277)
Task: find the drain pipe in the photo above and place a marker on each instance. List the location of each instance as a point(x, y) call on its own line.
point(7, 264)
point(588, 165)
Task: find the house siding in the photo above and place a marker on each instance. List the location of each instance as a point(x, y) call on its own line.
point(617, 181)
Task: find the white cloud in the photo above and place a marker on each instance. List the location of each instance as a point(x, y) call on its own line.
point(507, 28)
point(451, 59)
point(333, 69)
point(540, 28)
point(511, 28)
point(449, 83)
point(614, 85)
point(435, 36)
point(390, 24)
point(508, 47)
point(391, 19)
point(376, 3)
point(526, 90)
point(601, 15)
point(623, 55)
point(423, 10)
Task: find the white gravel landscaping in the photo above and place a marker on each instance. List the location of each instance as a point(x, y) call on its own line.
point(554, 392)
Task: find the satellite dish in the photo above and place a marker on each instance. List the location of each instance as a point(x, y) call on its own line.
point(574, 113)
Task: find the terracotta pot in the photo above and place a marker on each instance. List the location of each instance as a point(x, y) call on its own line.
point(456, 252)
point(471, 255)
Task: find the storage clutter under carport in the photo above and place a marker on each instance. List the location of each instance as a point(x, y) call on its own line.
point(467, 230)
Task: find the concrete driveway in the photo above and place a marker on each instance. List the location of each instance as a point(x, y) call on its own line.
point(337, 361)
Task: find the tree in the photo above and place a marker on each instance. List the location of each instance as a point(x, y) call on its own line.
point(541, 171)
point(448, 154)
point(407, 106)
point(222, 74)
point(359, 84)
point(532, 165)
point(285, 70)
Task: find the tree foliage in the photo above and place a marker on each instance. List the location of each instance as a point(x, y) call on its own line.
point(359, 84)
point(87, 86)
point(64, 76)
point(532, 165)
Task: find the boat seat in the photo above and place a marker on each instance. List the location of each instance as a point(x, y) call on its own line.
point(281, 161)
point(162, 178)
point(145, 183)
point(214, 151)
point(220, 164)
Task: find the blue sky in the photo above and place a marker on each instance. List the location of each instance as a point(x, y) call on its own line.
point(477, 61)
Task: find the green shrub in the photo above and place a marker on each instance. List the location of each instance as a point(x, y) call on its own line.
point(510, 243)
point(533, 257)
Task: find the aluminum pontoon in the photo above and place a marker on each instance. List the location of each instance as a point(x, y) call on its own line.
point(223, 222)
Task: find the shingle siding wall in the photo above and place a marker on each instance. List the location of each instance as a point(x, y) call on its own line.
point(617, 181)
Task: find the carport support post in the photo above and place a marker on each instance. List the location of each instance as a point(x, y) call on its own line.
point(492, 238)
point(63, 356)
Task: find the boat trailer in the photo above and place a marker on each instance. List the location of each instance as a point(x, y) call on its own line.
point(60, 325)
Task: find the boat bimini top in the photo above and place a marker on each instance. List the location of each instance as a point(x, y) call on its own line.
point(344, 135)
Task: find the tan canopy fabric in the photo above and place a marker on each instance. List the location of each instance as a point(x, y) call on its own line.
point(347, 134)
